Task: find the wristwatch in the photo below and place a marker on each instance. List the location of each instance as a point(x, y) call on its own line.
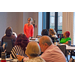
point(22, 59)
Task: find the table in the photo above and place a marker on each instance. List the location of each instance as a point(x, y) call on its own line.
point(68, 47)
point(10, 60)
point(34, 39)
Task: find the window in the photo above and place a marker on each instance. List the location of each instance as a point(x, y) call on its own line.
point(59, 22)
point(54, 21)
point(39, 23)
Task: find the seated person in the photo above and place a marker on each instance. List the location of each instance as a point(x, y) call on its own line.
point(20, 46)
point(66, 37)
point(9, 34)
point(53, 35)
point(44, 32)
point(13, 34)
point(51, 53)
point(33, 51)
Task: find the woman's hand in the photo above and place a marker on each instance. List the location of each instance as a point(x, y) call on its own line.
point(66, 42)
point(19, 57)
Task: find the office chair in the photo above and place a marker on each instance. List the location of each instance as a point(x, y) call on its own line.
point(72, 55)
point(62, 48)
point(9, 45)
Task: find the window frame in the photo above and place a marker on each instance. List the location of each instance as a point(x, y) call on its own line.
point(47, 21)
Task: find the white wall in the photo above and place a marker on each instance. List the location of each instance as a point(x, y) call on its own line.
point(26, 15)
point(16, 20)
point(3, 17)
point(12, 19)
point(35, 17)
point(39, 23)
point(67, 23)
point(74, 28)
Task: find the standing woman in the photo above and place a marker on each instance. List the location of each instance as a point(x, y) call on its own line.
point(28, 28)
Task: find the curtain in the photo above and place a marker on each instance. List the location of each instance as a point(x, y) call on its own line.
point(67, 23)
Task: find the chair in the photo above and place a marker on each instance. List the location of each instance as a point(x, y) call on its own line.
point(9, 45)
point(62, 48)
point(72, 52)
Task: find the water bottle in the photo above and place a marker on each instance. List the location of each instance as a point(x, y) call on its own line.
point(3, 57)
point(69, 42)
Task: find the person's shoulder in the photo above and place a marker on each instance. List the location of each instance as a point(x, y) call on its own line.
point(13, 36)
point(26, 24)
point(4, 36)
point(15, 47)
point(31, 25)
point(69, 38)
point(36, 59)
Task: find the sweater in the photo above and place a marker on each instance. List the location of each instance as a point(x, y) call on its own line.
point(28, 30)
point(64, 40)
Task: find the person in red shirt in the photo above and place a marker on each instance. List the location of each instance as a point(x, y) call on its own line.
point(28, 28)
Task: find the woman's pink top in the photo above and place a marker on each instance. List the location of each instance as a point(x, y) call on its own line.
point(28, 30)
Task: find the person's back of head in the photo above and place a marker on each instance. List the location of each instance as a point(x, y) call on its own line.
point(44, 32)
point(22, 41)
point(52, 31)
point(8, 31)
point(46, 39)
point(33, 49)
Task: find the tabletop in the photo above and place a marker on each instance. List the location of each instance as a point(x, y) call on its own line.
point(10, 60)
point(68, 47)
point(34, 39)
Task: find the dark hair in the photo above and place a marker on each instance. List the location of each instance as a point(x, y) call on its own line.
point(8, 31)
point(44, 32)
point(22, 41)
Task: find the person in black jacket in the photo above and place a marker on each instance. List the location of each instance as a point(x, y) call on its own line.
point(9, 34)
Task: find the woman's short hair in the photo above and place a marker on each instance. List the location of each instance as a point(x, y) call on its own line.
point(30, 19)
point(22, 41)
point(67, 33)
point(33, 49)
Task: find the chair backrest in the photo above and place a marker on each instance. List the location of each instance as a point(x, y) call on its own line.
point(62, 48)
point(9, 44)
